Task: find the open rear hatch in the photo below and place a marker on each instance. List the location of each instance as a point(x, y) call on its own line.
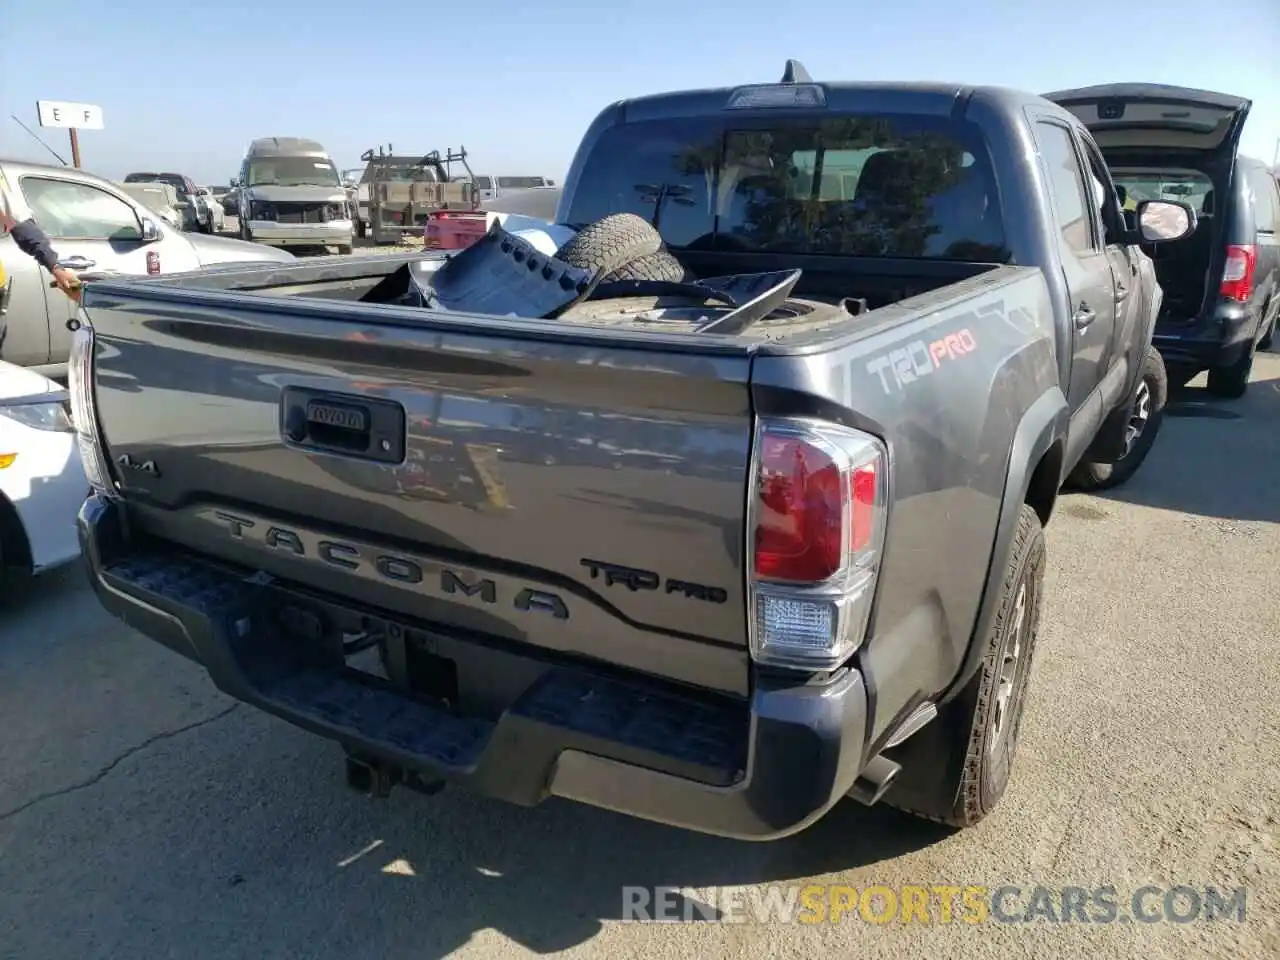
point(1140, 116)
point(1180, 131)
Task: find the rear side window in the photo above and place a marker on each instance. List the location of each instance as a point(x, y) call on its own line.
point(513, 183)
point(1071, 194)
point(1266, 202)
point(892, 186)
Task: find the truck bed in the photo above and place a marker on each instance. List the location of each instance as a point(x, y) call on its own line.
point(576, 491)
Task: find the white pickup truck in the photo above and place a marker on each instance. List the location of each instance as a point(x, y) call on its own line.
point(97, 228)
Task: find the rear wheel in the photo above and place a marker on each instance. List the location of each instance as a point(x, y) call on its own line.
point(611, 243)
point(1146, 413)
point(956, 769)
point(1232, 382)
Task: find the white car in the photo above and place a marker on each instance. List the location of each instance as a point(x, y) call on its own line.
point(210, 206)
point(42, 481)
point(97, 229)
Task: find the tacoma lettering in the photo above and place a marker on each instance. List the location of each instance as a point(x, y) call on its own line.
point(486, 590)
point(374, 564)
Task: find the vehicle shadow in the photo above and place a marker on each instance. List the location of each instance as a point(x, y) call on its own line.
point(241, 834)
point(1215, 458)
point(438, 872)
point(24, 594)
point(551, 878)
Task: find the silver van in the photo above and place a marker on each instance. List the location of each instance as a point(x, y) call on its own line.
point(290, 195)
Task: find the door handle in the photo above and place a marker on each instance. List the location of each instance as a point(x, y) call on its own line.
point(76, 263)
point(1122, 293)
point(1084, 316)
point(364, 428)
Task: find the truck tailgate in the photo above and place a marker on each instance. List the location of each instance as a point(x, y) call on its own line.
point(584, 500)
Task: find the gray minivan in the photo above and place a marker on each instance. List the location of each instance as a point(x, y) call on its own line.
point(291, 195)
point(1221, 284)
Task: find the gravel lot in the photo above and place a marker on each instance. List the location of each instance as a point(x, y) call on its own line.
point(142, 814)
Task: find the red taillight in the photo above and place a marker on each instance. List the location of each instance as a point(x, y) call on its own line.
point(800, 518)
point(1237, 272)
point(819, 519)
point(863, 487)
point(813, 511)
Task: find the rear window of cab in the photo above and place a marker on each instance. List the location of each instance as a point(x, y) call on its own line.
point(882, 186)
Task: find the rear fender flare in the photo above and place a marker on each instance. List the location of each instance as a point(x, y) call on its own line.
point(1043, 425)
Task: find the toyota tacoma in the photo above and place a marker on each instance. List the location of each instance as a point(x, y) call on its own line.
point(726, 507)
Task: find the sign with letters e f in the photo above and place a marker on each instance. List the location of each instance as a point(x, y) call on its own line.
point(59, 113)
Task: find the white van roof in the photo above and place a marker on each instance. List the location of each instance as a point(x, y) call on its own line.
point(286, 147)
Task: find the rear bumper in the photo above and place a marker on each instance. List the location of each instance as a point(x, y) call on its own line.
point(1217, 341)
point(756, 770)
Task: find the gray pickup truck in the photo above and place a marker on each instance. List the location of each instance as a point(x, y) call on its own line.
point(731, 509)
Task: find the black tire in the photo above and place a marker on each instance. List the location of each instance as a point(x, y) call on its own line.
point(1147, 404)
point(611, 243)
point(957, 768)
point(654, 266)
point(1231, 383)
point(345, 250)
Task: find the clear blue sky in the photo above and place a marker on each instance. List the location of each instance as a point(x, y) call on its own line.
point(185, 85)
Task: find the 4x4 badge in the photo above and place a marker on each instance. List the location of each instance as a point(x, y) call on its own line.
point(146, 466)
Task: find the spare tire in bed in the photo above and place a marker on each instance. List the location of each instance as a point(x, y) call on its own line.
point(685, 312)
point(611, 243)
point(655, 266)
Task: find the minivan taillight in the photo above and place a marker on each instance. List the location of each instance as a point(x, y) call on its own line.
point(1237, 273)
point(817, 513)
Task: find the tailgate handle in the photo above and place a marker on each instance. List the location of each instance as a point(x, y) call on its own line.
point(361, 427)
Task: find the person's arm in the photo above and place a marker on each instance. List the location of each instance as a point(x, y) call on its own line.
point(34, 242)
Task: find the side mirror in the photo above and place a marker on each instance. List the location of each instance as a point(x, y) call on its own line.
point(150, 232)
point(1163, 220)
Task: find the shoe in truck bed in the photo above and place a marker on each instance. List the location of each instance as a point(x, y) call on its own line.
point(607, 559)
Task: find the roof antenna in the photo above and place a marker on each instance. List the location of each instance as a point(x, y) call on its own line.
point(796, 73)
